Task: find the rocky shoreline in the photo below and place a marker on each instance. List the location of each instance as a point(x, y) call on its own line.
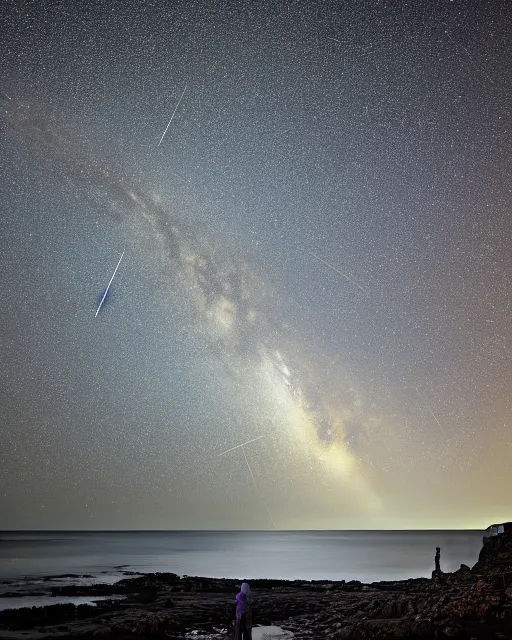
point(469, 603)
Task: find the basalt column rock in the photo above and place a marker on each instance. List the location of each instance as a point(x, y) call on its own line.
point(437, 574)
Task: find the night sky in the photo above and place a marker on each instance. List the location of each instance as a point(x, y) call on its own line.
point(317, 259)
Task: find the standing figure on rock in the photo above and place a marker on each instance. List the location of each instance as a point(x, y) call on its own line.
point(243, 625)
point(437, 573)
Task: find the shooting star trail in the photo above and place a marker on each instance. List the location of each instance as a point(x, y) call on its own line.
point(201, 468)
point(256, 486)
point(173, 114)
point(207, 458)
point(340, 273)
point(241, 445)
point(108, 286)
point(426, 405)
point(249, 467)
point(477, 67)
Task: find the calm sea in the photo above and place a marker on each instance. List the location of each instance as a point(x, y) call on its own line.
point(27, 557)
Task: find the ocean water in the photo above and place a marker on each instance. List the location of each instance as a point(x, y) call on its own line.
point(33, 561)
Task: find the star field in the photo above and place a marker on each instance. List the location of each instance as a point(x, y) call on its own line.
point(317, 252)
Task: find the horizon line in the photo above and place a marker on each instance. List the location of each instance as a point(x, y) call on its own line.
point(232, 530)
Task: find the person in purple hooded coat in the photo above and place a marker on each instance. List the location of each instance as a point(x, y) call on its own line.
point(243, 625)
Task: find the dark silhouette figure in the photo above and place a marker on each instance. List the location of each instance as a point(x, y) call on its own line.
point(437, 574)
point(438, 560)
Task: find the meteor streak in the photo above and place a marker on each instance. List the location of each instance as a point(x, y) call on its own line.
point(249, 467)
point(173, 113)
point(108, 286)
point(339, 272)
point(241, 445)
point(477, 67)
point(256, 486)
point(426, 405)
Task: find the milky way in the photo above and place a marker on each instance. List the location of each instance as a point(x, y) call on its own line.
point(228, 299)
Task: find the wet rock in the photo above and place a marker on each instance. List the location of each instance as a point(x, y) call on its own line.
point(152, 624)
point(30, 618)
point(450, 631)
point(91, 590)
point(16, 594)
